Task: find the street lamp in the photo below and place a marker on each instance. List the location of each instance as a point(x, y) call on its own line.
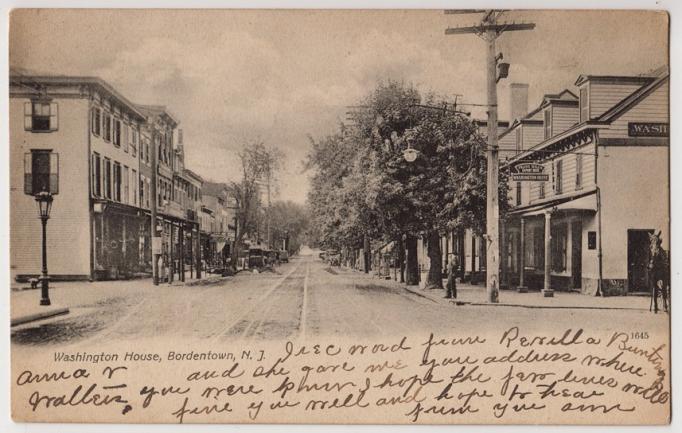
point(41, 180)
point(44, 200)
point(410, 154)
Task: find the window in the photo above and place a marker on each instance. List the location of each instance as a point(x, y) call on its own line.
point(117, 181)
point(142, 191)
point(96, 173)
point(96, 121)
point(125, 137)
point(106, 126)
point(548, 123)
point(134, 184)
point(41, 116)
point(558, 247)
point(578, 171)
point(148, 193)
point(535, 257)
point(133, 141)
point(541, 189)
point(558, 176)
point(584, 104)
point(591, 240)
point(117, 132)
point(126, 185)
point(519, 138)
point(107, 178)
point(146, 151)
point(518, 193)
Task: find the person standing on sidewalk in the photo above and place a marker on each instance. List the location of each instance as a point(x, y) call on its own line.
point(451, 286)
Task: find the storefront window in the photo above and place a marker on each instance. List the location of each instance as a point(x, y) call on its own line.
point(559, 243)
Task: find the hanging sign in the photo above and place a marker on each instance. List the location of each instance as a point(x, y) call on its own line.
point(529, 171)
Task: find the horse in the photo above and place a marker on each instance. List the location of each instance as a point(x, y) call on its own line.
point(659, 271)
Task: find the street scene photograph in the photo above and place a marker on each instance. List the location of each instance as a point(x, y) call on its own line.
point(261, 185)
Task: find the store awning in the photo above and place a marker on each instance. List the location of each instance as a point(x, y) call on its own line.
point(584, 203)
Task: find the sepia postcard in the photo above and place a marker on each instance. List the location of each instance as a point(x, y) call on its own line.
point(339, 216)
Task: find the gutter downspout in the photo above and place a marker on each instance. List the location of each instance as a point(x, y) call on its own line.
point(91, 215)
point(600, 282)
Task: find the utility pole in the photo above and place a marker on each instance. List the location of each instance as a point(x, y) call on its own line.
point(489, 30)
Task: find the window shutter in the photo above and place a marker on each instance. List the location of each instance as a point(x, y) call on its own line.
point(28, 116)
point(54, 116)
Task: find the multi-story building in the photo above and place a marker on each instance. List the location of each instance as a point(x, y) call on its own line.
point(218, 224)
point(587, 225)
point(100, 227)
point(96, 224)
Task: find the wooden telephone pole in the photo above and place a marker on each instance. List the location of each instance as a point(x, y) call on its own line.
point(489, 29)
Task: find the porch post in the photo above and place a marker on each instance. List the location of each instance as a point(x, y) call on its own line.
point(547, 289)
point(171, 254)
point(504, 257)
point(522, 258)
point(181, 238)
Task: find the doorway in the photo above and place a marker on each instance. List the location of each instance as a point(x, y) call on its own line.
point(576, 254)
point(638, 260)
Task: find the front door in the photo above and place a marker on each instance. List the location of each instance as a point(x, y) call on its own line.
point(638, 260)
point(576, 254)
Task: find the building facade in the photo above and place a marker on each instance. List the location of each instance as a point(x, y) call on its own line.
point(100, 226)
point(583, 228)
point(95, 223)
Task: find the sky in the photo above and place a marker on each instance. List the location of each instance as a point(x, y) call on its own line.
point(231, 77)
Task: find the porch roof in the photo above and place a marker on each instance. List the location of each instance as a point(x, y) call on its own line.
point(585, 202)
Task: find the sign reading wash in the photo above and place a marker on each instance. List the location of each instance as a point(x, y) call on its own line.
point(647, 129)
point(529, 171)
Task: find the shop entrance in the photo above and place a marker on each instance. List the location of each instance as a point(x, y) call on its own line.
point(638, 260)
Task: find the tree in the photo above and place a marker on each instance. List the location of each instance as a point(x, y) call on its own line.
point(392, 199)
point(258, 163)
point(289, 220)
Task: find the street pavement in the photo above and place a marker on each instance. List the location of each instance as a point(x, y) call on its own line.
point(301, 299)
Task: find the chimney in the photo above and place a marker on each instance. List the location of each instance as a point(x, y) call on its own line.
point(180, 133)
point(519, 100)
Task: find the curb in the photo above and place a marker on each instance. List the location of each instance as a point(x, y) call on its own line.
point(501, 304)
point(34, 317)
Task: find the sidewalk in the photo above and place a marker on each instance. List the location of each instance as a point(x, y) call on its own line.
point(475, 295)
point(67, 296)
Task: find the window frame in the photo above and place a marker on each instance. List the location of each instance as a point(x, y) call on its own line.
point(558, 176)
point(584, 103)
point(96, 174)
point(125, 137)
point(106, 126)
point(116, 132)
point(135, 185)
point(96, 122)
point(51, 118)
point(106, 179)
point(126, 185)
point(133, 140)
point(578, 171)
point(117, 181)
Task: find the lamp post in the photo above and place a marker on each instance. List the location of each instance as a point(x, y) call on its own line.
point(44, 200)
point(41, 180)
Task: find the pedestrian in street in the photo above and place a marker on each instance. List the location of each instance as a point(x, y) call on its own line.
point(451, 286)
